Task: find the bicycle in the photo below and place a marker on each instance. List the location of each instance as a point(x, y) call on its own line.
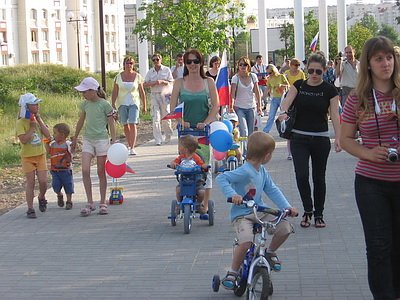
point(255, 271)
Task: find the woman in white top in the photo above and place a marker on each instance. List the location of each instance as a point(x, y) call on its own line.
point(127, 95)
point(245, 96)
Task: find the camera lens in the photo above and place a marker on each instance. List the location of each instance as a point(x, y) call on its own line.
point(392, 155)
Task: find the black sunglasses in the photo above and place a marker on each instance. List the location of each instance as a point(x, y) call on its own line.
point(296, 65)
point(243, 65)
point(318, 71)
point(129, 63)
point(195, 61)
point(155, 59)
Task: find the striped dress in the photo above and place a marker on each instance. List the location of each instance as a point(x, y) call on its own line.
point(388, 130)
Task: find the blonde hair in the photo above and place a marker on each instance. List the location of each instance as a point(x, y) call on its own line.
point(189, 142)
point(259, 144)
point(364, 80)
point(129, 58)
point(274, 69)
point(294, 61)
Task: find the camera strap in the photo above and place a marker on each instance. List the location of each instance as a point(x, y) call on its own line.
point(377, 110)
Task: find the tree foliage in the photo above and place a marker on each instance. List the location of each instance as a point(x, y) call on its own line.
point(356, 37)
point(369, 22)
point(389, 32)
point(179, 25)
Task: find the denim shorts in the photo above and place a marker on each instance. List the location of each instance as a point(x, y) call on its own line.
point(62, 179)
point(128, 114)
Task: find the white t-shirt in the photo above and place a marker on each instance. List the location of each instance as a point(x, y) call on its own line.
point(163, 74)
point(244, 97)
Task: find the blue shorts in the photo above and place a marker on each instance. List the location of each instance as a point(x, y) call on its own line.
point(128, 114)
point(62, 179)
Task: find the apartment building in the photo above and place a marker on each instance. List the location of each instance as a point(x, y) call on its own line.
point(65, 32)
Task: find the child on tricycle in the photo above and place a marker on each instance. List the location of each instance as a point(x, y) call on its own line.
point(236, 184)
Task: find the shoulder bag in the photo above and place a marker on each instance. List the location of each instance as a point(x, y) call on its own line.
point(285, 127)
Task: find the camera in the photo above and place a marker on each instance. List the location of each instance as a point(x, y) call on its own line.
point(393, 155)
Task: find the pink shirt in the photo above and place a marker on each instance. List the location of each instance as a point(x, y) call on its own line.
point(388, 130)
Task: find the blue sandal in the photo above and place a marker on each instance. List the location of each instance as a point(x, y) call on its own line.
point(230, 280)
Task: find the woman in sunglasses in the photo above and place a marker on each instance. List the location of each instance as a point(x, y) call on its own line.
point(373, 109)
point(277, 84)
point(201, 104)
point(127, 95)
point(245, 96)
point(314, 99)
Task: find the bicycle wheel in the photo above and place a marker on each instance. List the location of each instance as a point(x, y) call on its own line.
point(260, 284)
point(210, 212)
point(173, 212)
point(241, 286)
point(216, 283)
point(187, 218)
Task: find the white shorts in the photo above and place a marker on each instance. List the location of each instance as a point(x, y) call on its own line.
point(95, 147)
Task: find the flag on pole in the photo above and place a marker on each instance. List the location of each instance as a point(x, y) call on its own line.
point(314, 42)
point(222, 81)
point(176, 114)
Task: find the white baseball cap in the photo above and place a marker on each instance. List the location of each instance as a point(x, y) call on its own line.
point(231, 117)
point(28, 98)
point(89, 83)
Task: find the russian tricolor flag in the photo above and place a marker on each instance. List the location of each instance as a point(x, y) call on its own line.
point(314, 42)
point(222, 82)
point(176, 114)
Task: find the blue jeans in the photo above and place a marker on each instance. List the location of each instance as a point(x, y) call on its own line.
point(317, 148)
point(246, 118)
point(378, 202)
point(275, 102)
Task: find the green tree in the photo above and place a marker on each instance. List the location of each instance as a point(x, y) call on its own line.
point(287, 37)
point(242, 44)
point(332, 38)
point(311, 27)
point(369, 22)
point(356, 37)
point(179, 25)
point(390, 33)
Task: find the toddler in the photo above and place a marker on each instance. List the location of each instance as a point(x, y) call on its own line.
point(60, 164)
point(237, 183)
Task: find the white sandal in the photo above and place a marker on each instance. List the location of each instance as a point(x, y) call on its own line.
point(103, 209)
point(87, 210)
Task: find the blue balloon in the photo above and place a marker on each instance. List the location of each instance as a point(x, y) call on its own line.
point(221, 140)
point(229, 125)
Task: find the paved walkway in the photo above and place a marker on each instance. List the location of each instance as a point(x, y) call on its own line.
point(134, 253)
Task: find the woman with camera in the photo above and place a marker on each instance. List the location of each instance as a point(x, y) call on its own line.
point(373, 109)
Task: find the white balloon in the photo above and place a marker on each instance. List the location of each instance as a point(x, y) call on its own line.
point(217, 125)
point(117, 154)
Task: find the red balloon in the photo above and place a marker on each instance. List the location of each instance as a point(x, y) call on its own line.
point(115, 171)
point(218, 155)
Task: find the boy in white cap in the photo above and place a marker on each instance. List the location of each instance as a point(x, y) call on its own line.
point(30, 130)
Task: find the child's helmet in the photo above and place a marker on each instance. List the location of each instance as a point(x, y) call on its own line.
point(231, 117)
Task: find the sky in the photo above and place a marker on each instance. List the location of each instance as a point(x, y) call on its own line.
point(253, 4)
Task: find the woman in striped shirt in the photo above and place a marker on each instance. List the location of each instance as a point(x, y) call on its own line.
point(373, 109)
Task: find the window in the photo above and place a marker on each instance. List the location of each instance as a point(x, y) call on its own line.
point(58, 36)
point(44, 14)
point(3, 36)
point(112, 38)
point(33, 36)
point(2, 14)
point(33, 14)
point(108, 57)
point(87, 59)
point(45, 36)
point(35, 58)
point(45, 57)
point(57, 14)
point(56, 2)
point(114, 55)
point(113, 20)
point(4, 59)
point(59, 56)
point(106, 19)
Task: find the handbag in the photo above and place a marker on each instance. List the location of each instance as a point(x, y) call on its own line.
point(285, 127)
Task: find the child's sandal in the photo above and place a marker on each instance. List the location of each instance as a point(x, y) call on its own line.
point(305, 222)
point(230, 280)
point(68, 205)
point(103, 209)
point(87, 210)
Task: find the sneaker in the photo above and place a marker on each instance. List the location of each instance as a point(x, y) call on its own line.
point(289, 157)
point(31, 214)
point(68, 205)
point(158, 144)
point(42, 205)
point(132, 152)
point(273, 261)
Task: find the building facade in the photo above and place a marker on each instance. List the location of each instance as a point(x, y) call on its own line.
point(65, 32)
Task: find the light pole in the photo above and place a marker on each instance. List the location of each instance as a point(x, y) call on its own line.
point(83, 18)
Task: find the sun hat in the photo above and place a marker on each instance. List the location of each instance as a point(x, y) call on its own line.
point(231, 117)
point(89, 83)
point(28, 98)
